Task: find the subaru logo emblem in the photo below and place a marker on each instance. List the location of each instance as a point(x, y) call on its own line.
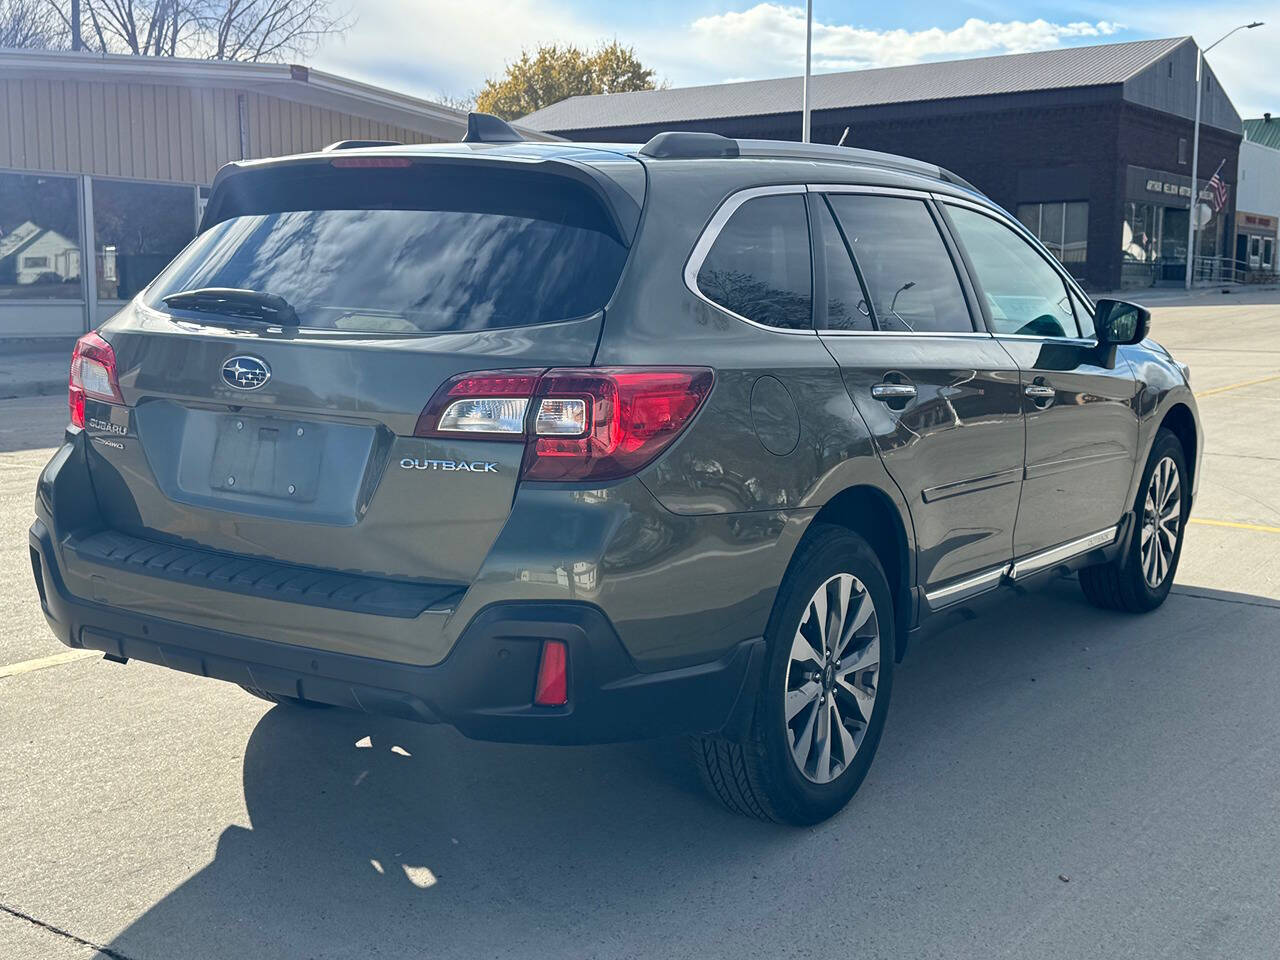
point(246, 373)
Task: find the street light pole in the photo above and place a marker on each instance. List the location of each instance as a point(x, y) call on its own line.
point(808, 59)
point(1195, 149)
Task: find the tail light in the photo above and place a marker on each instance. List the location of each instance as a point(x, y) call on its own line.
point(595, 423)
point(93, 374)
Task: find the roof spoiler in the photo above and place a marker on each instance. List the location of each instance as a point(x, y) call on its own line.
point(357, 144)
point(486, 128)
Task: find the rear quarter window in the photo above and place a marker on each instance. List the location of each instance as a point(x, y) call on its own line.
point(759, 265)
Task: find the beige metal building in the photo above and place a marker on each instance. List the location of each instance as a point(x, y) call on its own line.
point(105, 163)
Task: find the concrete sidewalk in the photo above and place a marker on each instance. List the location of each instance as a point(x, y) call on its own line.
point(33, 372)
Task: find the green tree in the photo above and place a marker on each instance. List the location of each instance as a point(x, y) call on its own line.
point(553, 73)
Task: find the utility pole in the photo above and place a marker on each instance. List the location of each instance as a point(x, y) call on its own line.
point(808, 59)
point(1195, 150)
point(75, 26)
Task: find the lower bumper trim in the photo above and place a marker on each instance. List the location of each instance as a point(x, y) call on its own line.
point(484, 687)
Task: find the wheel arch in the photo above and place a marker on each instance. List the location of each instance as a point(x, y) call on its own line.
point(874, 515)
point(1181, 422)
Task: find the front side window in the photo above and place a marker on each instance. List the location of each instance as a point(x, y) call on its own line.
point(1023, 293)
point(759, 267)
point(1062, 227)
point(904, 263)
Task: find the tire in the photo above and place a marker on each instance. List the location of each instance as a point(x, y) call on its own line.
point(283, 698)
point(761, 775)
point(1125, 583)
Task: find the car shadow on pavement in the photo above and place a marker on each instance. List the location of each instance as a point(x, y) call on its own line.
point(1046, 740)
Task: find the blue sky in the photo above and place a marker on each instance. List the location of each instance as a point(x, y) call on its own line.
point(429, 47)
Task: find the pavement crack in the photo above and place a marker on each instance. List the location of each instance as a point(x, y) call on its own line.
point(58, 931)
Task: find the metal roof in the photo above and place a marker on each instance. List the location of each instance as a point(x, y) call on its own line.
point(1263, 130)
point(287, 81)
point(1101, 65)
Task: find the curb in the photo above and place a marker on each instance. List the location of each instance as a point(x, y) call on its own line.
point(33, 388)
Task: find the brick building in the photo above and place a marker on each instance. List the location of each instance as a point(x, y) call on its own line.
point(1089, 146)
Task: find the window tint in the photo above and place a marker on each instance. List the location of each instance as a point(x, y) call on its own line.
point(759, 265)
point(404, 250)
point(847, 307)
point(906, 267)
point(1024, 294)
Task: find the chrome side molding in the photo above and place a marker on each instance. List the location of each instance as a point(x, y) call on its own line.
point(969, 587)
point(989, 579)
point(1047, 558)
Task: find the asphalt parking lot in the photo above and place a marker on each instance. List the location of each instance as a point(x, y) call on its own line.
point(1054, 781)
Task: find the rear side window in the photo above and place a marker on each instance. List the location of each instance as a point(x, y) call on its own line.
point(847, 307)
point(904, 263)
point(424, 248)
point(1024, 294)
point(759, 266)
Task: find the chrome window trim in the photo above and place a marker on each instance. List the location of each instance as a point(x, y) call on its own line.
point(711, 233)
point(932, 334)
point(1001, 216)
point(870, 188)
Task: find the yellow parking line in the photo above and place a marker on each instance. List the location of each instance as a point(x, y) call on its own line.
point(13, 669)
point(1259, 527)
point(1236, 386)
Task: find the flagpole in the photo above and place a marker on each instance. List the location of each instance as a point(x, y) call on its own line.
point(808, 58)
point(1195, 202)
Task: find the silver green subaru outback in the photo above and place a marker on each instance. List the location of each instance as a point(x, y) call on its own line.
point(567, 443)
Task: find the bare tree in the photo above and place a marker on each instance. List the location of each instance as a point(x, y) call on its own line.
point(269, 29)
point(26, 24)
point(209, 29)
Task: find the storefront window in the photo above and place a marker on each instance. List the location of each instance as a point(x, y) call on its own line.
point(39, 238)
point(138, 228)
point(1142, 230)
point(1062, 227)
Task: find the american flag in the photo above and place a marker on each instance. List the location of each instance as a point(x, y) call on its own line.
point(1219, 191)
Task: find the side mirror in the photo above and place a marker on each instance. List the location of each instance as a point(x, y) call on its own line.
point(1118, 322)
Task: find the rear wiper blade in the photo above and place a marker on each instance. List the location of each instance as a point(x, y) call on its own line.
point(236, 304)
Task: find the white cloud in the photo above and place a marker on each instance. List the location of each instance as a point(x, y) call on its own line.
point(771, 36)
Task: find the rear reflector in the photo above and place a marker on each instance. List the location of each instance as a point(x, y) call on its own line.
point(93, 374)
point(593, 423)
point(552, 688)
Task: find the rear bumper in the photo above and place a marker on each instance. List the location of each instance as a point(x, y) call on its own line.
point(484, 687)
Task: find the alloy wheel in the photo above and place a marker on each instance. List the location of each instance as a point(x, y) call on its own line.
point(831, 678)
point(1161, 522)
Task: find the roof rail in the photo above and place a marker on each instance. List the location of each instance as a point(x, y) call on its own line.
point(486, 128)
point(357, 144)
point(689, 145)
point(686, 145)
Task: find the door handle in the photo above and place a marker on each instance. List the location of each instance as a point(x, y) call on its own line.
point(1039, 391)
point(893, 391)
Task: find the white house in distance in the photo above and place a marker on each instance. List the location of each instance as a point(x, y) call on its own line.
point(31, 255)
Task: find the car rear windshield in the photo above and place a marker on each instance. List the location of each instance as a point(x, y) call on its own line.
point(414, 249)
